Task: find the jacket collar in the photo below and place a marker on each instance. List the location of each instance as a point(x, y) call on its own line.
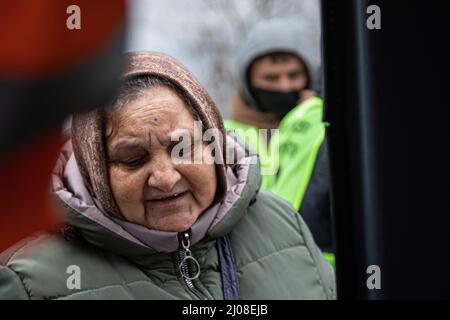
point(85, 214)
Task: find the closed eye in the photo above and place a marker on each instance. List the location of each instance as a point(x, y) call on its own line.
point(135, 161)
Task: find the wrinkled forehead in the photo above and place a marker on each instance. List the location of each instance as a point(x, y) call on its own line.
point(159, 109)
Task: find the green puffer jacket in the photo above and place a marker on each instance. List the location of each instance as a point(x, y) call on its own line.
point(275, 254)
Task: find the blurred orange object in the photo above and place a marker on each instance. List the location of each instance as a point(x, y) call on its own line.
point(47, 72)
point(35, 40)
point(24, 189)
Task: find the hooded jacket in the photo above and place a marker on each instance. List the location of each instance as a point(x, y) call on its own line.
point(271, 36)
point(301, 179)
point(275, 254)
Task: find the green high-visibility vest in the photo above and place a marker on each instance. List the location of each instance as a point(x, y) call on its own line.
point(298, 139)
point(255, 139)
point(291, 151)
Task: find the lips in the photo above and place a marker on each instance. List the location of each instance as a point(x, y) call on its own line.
point(167, 197)
point(168, 200)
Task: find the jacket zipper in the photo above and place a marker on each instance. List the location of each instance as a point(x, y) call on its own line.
point(188, 275)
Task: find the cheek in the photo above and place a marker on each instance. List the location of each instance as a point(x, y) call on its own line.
point(126, 188)
point(202, 181)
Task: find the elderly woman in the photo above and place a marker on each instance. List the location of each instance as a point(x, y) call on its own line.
point(140, 223)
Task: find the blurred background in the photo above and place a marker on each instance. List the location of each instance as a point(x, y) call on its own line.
point(204, 34)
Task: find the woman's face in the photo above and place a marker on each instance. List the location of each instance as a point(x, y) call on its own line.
point(149, 188)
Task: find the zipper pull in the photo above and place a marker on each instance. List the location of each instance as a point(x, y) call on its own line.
point(184, 266)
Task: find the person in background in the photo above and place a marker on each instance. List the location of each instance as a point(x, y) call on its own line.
point(278, 84)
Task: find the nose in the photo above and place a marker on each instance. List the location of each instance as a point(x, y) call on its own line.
point(164, 176)
point(285, 84)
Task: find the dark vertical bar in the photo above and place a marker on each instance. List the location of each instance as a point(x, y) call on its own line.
point(387, 102)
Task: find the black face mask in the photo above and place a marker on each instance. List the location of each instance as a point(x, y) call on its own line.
point(277, 102)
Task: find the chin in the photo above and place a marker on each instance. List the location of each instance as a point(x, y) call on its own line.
point(177, 224)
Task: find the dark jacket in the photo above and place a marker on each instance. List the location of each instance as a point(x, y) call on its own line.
point(275, 256)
